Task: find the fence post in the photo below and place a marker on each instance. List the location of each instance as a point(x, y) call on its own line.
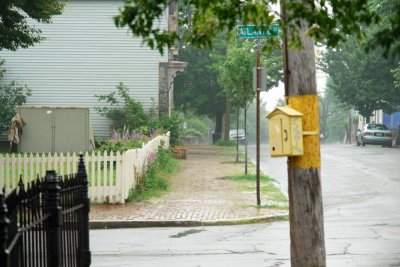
point(4, 221)
point(86, 257)
point(55, 220)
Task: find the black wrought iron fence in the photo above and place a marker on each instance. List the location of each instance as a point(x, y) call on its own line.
point(47, 223)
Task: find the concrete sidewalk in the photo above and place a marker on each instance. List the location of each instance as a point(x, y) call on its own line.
point(199, 194)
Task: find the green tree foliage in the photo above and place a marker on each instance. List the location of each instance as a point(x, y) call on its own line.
point(15, 31)
point(197, 89)
point(361, 81)
point(274, 67)
point(333, 115)
point(11, 95)
point(207, 20)
point(173, 124)
point(197, 126)
point(386, 32)
point(129, 114)
point(252, 123)
point(235, 72)
point(332, 21)
point(396, 74)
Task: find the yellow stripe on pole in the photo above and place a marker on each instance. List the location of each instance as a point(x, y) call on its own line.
point(311, 158)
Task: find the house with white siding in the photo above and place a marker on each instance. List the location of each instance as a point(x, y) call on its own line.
point(85, 54)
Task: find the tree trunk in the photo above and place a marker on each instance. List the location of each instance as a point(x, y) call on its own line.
point(218, 127)
point(350, 127)
point(368, 119)
point(227, 118)
point(218, 122)
point(305, 196)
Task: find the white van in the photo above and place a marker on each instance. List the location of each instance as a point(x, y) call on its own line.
point(237, 134)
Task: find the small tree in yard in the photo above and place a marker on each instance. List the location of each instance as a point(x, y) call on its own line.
point(131, 115)
point(12, 95)
point(128, 114)
point(235, 76)
point(196, 89)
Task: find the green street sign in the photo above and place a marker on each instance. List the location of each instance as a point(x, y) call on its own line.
point(252, 31)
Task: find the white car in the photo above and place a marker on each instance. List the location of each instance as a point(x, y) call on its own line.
point(374, 133)
point(237, 134)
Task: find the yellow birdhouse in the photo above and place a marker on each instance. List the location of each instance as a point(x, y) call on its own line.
point(285, 132)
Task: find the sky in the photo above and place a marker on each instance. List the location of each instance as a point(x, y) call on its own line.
point(273, 95)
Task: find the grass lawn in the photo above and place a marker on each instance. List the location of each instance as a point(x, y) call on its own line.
point(156, 181)
point(268, 190)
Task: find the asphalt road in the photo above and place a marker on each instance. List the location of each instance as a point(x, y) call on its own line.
point(361, 194)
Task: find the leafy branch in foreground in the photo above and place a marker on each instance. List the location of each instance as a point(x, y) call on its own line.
point(15, 31)
point(332, 21)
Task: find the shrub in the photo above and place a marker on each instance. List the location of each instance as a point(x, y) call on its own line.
point(197, 126)
point(172, 124)
point(225, 143)
point(124, 141)
point(166, 163)
point(130, 115)
point(155, 181)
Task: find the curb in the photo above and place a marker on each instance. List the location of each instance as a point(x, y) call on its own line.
point(99, 224)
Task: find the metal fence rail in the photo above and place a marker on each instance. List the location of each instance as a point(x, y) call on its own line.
point(46, 223)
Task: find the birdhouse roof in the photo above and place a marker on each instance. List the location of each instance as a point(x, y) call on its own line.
point(285, 110)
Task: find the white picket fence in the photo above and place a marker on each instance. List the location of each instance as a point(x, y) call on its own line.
point(111, 176)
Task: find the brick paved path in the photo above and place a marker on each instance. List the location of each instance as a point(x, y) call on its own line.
point(198, 193)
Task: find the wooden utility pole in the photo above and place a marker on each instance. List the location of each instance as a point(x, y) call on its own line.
point(305, 197)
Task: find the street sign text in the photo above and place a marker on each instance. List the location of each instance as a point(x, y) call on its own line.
point(252, 31)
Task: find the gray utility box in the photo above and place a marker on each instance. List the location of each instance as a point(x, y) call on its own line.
point(55, 129)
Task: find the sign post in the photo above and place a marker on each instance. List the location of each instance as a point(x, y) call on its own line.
point(258, 129)
point(258, 32)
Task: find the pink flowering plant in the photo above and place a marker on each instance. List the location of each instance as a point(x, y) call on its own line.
point(124, 140)
point(128, 113)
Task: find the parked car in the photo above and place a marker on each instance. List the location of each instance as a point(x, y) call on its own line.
point(237, 134)
point(374, 133)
